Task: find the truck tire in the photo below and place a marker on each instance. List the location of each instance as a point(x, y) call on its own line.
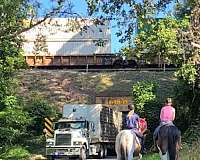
point(50, 158)
point(83, 153)
point(101, 152)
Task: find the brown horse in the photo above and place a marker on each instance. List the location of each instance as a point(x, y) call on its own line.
point(168, 142)
point(127, 144)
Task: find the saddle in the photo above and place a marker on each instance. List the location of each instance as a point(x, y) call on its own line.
point(156, 132)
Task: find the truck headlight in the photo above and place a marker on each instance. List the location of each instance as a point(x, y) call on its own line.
point(77, 143)
point(49, 142)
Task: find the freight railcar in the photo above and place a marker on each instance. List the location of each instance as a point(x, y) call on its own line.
point(60, 42)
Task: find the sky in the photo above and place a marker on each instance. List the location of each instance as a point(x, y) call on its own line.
point(80, 7)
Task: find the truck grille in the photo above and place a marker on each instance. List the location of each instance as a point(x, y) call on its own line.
point(63, 139)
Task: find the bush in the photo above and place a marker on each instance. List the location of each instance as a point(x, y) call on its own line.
point(38, 109)
point(143, 92)
point(15, 153)
point(187, 101)
point(147, 105)
point(13, 122)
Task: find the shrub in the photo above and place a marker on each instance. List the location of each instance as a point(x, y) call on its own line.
point(38, 109)
point(143, 92)
point(15, 153)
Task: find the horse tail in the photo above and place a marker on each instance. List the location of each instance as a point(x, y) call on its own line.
point(120, 146)
point(172, 140)
point(123, 152)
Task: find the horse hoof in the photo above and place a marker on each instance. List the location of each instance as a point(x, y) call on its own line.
point(140, 156)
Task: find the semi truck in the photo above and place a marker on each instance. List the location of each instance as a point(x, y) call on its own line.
point(83, 131)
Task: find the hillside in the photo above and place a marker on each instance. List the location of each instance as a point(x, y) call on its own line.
point(62, 86)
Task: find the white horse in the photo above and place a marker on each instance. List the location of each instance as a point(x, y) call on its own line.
point(127, 145)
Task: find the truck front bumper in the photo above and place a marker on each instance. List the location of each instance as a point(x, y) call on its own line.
point(61, 152)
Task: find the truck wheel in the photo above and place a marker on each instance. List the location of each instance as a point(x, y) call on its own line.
point(50, 157)
point(83, 153)
point(101, 152)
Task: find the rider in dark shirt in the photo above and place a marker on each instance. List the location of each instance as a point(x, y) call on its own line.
point(132, 122)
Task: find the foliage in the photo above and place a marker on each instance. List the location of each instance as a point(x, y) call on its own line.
point(152, 113)
point(13, 122)
point(143, 92)
point(184, 8)
point(38, 109)
point(129, 52)
point(147, 105)
point(13, 119)
point(14, 14)
point(182, 100)
point(40, 45)
point(125, 13)
point(187, 98)
point(158, 38)
point(15, 153)
point(187, 73)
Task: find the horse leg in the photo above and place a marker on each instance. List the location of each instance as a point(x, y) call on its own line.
point(118, 146)
point(130, 154)
point(163, 156)
point(130, 147)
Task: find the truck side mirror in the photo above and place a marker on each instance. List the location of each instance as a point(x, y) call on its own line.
point(87, 124)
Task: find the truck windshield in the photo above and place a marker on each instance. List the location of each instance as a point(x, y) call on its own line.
point(72, 125)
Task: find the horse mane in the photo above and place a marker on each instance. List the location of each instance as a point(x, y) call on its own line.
point(168, 137)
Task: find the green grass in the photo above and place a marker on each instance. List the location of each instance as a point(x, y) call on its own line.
point(189, 152)
point(154, 156)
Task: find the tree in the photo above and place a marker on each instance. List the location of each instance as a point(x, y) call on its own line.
point(14, 120)
point(160, 40)
point(188, 87)
point(23, 10)
point(126, 13)
point(40, 45)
